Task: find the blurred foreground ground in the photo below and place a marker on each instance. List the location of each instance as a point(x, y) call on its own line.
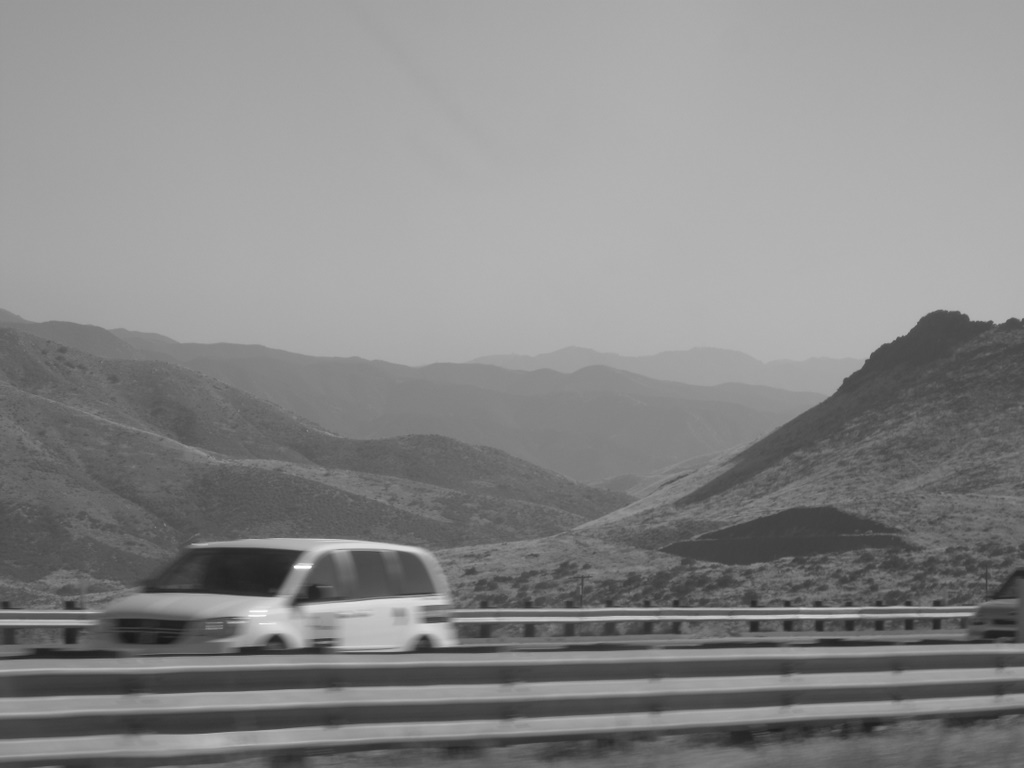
point(994, 743)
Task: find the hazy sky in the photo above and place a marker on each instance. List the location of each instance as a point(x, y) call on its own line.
point(430, 180)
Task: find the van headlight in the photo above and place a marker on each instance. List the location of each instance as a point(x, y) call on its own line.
point(213, 629)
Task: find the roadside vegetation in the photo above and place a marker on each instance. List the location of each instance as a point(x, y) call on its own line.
point(551, 571)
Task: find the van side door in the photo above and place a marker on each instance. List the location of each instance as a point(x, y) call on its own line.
point(417, 599)
point(319, 606)
point(370, 618)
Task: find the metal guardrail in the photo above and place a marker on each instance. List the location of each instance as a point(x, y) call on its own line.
point(595, 615)
point(19, 619)
point(73, 619)
point(143, 712)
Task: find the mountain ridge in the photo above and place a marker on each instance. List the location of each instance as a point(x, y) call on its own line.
point(592, 424)
point(705, 366)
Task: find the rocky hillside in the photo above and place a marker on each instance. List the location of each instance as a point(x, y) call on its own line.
point(907, 483)
point(932, 423)
point(110, 464)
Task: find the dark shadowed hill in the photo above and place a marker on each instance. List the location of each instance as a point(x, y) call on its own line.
point(591, 424)
point(108, 465)
point(795, 532)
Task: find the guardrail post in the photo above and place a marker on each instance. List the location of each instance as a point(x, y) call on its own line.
point(10, 635)
point(676, 625)
point(70, 633)
point(569, 630)
point(908, 624)
point(879, 623)
point(485, 629)
point(787, 624)
point(755, 625)
point(819, 625)
point(648, 626)
point(609, 626)
point(936, 623)
point(528, 629)
point(850, 623)
point(1019, 635)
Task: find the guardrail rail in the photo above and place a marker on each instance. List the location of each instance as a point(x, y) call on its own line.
point(72, 621)
point(155, 711)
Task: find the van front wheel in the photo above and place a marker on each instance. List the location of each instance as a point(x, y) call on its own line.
point(274, 645)
point(424, 645)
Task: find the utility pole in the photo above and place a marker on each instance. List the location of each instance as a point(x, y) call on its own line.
point(582, 579)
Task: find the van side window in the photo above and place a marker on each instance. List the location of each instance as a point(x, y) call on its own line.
point(414, 577)
point(346, 573)
point(322, 584)
point(371, 574)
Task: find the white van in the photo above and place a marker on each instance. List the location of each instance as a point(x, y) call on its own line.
point(280, 594)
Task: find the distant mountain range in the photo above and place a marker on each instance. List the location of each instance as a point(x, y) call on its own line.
point(907, 483)
point(596, 424)
point(706, 366)
point(109, 465)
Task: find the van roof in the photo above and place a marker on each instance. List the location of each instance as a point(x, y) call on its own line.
point(305, 545)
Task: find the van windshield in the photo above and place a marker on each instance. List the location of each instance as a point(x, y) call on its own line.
point(226, 571)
